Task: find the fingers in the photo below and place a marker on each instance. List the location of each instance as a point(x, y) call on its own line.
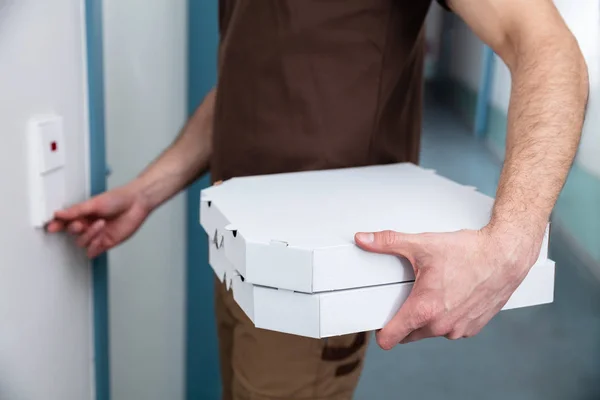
point(103, 205)
point(77, 227)
point(94, 239)
point(87, 221)
point(78, 211)
point(97, 247)
point(88, 235)
point(91, 233)
point(419, 334)
point(415, 313)
point(55, 226)
point(444, 325)
point(74, 228)
point(387, 242)
point(437, 329)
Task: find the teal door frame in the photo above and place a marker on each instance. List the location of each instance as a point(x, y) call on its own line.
point(202, 362)
point(98, 169)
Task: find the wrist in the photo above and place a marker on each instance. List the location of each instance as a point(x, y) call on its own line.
point(520, 241)
point(529, 225)
point(141, 191)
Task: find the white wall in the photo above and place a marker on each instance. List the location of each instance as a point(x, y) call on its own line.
point(45, 290)
point(145, 57)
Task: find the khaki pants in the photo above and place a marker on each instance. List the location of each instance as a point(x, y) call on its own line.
point(258, 364)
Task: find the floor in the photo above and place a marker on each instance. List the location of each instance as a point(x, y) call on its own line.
point(547, 352)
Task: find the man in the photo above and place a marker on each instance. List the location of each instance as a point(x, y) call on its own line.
point(315, 85)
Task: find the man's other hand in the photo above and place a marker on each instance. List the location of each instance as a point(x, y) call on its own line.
point(104, 221)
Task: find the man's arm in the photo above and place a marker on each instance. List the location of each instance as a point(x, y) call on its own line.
point(184, 161)
point(462, 279)
point(547, 105)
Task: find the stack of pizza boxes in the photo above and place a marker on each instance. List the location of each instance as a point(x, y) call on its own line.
point(284, 244)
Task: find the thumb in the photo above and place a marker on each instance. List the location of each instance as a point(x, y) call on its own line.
point(386, 242)
point(92, 207)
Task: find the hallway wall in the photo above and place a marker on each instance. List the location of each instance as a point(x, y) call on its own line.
point(46, 336)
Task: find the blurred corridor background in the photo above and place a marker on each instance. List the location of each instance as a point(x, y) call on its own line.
point(151, 63)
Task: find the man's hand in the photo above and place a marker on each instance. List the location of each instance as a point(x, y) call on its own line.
point(109, 219)
point(104, 221)
point(462, 280)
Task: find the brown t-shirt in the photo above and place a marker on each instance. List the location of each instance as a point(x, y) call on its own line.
point(317, 84)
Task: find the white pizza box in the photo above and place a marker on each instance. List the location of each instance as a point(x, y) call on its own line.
point(341, 312)
point(295, 231)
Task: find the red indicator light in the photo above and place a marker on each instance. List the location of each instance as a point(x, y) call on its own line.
point(53, 146)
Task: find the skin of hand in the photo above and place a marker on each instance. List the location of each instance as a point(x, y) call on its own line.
point(109, 219)
point(464, 278)
point(103, 221)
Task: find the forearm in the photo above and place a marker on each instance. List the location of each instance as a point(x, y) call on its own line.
point(183, 162)
point(545, 118)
